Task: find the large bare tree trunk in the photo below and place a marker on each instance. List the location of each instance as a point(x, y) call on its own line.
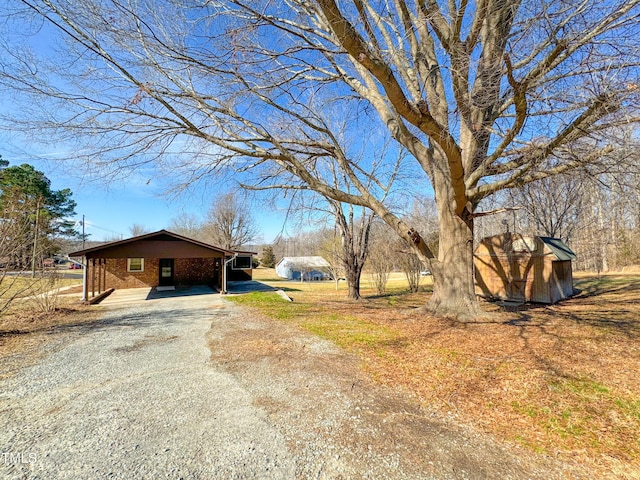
point(454, 291)
point(453, 277)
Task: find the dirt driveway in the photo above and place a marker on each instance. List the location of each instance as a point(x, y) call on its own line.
point(194, 387)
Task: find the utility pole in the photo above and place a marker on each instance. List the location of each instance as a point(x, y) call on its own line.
point(83, 237)
point(35, 240)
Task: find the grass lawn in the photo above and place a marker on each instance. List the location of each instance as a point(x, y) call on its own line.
point(560, 380)
point(24, 285)
point(23, 300)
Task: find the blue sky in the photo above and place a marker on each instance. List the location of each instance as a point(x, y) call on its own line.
point(111, 208)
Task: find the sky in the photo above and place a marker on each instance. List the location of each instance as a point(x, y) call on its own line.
point(110, 210)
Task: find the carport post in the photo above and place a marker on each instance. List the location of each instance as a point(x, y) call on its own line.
point(224, 273)
point(85, 264)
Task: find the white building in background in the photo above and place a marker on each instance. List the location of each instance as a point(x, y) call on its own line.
point(304, 268)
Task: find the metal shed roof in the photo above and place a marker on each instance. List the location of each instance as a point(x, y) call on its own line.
point(314, 261)
point(559, 248)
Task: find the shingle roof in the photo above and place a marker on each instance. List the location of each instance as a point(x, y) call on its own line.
point(148, 236)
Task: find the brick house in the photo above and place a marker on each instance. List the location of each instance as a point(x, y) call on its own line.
point(160, 259)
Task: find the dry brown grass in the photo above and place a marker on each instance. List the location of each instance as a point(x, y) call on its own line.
point(25, 328)
point(560, 380)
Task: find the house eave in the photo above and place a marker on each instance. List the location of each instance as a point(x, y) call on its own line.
point(150, 236)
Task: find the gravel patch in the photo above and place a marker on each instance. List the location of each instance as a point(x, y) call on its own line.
point(339, 424)
point(193, 387)
point(135, 397)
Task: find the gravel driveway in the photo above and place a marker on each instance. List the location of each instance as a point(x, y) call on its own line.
point(136, 397)
point(193, 387)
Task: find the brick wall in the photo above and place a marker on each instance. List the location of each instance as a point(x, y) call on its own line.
point(187, 271)
point(118, 277)
point(194, 271)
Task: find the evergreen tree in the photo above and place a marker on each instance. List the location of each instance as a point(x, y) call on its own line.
point(268, 258)
point(32, 211)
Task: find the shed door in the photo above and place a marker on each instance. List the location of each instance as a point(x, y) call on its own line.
point(166, 272)
point(519, 271)
point(517, 290)
point(561, 283)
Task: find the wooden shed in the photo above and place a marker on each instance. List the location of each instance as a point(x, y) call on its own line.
point(522, 268)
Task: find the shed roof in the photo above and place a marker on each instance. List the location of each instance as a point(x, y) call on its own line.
point(506, 243)
point(159, 235)
point(559, 248)
point(312, 261)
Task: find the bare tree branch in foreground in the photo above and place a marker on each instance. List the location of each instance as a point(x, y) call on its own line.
point(486, 96)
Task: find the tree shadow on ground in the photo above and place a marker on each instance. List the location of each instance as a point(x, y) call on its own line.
point(593, 287)
point(94, 323)
point(289, 289)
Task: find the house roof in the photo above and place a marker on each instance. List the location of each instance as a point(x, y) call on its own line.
point(316, 262)
point(159, 235)
point(559, 248)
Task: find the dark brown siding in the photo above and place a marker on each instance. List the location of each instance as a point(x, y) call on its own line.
point(156, 249)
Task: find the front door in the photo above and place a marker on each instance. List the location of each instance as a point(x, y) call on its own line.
point(166, 272)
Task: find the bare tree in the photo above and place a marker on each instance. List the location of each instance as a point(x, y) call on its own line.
point(486, 96)
point(331, 250)
point(607, 236)
point(411, 266)
point(352, 223)
point(14, 228)
point(187, 225)
point(380, 261)
point(341, 232)
point(354, 236)
point(138, 229)
point(229, 223)
point(552, 206)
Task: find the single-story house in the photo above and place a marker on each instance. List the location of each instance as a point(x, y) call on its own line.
point(161, 259)
point(522, 268)
point(303, 268)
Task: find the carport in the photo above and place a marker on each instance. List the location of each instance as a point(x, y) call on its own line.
point(160, 259)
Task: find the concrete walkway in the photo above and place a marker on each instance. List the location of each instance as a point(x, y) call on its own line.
point(133, 296)
point(248, 286)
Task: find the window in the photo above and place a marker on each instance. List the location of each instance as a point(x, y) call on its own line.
point(242, 263)
point(135, 264)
